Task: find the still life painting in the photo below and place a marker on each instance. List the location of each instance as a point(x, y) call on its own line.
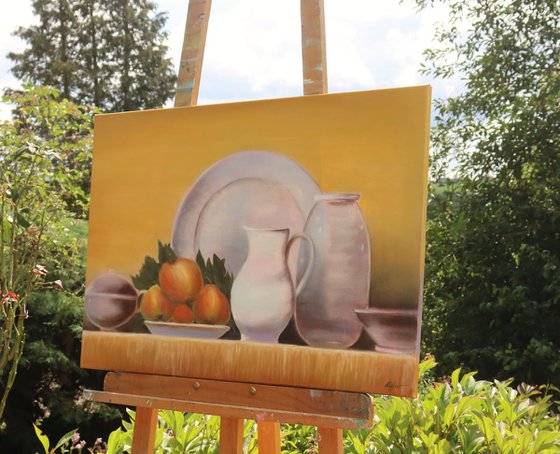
point(294, 221)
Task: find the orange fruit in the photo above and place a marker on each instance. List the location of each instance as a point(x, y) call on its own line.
point(183, 314)
point(155, 305)
point(180, 280)
point(211, 306)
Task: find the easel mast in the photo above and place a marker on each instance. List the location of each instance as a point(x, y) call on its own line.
point(313, 44)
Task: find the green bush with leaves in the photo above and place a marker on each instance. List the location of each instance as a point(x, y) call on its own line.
point(45, 150)
point(30, 206)
point(464, 415)
point(492, 290)
point(458, 414)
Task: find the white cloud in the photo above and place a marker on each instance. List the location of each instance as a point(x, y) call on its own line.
point(20, 13)
point(258, 41)
point(367, 11)
point(253, 47)
point(347, 67)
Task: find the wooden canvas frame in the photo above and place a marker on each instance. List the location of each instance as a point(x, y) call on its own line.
point(390, 143)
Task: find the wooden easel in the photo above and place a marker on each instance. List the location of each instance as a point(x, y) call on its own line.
point(269, 405)
point(314, 50)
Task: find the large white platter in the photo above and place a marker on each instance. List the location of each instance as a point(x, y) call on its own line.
point(259, 189)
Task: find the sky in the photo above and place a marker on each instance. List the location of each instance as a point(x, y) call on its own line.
point(253, 47)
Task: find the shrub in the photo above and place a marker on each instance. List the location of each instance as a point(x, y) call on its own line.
point(462, 414)
point(457, 414)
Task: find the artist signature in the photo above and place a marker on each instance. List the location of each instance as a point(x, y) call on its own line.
point(392, 385)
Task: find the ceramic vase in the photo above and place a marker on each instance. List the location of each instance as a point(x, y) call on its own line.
point(340, 276)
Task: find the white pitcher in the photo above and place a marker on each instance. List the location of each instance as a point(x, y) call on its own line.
point(263, 295)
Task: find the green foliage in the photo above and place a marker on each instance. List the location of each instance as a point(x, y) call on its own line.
point(28, 211)
point(68, 443)
point(61, 444)
point(176, 432)
point(49, 383)
point(298, 439)
point(62, 131)
point(149, 271)
point(492, 293)
point(462, 414)
point(183, 433)
point(107, 53)
point(52, 136)
point(214, 272)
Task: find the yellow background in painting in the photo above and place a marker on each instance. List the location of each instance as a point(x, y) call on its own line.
point(374, 143)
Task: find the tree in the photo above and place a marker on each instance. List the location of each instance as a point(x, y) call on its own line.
point(27, 210)
point(492, 299)
point(108, 53)
point(64, 129)
point(45, 155)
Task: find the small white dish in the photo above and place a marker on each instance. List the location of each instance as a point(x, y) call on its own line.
point(191, 330)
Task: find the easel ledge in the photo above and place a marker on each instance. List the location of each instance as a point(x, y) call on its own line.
point(252, 362)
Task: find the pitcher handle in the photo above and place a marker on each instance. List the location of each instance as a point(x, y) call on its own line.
point(304, 236)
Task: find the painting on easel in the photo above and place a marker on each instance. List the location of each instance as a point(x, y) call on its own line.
point(292, 221)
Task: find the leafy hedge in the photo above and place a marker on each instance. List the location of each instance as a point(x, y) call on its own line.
point(458, 414)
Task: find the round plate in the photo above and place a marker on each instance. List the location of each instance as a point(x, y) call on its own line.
point(234, 179)
point(248, 202)
point(192, 330)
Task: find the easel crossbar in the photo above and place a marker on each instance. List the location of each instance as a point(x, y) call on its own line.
point(334, 409)
point(257, 414)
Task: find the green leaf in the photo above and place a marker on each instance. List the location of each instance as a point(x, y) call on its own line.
point(165, 253)
point(64, 439)
point(148, 274)
point(42, 438)
point(115, 441)
point(214, 272)
point(14, 194)
point(200, 262)
point(426, 365)
point(22, 221)
point(455, 378)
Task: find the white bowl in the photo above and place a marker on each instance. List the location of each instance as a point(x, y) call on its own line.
point(392, 330)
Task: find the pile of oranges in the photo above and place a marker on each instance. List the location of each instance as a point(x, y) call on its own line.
point(182, 296)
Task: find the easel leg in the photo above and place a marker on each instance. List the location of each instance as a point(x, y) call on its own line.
point(231, 435)
point(330, 441)
point(144, 435)
point(269, 437)
point(313, 46)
